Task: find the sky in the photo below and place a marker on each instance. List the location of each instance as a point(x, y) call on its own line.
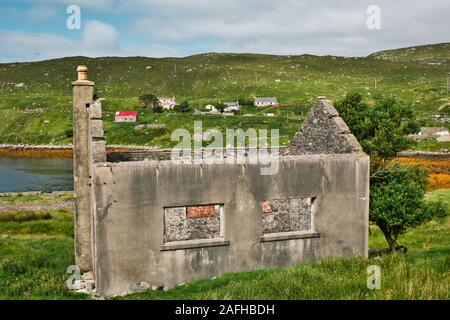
point(33, 30)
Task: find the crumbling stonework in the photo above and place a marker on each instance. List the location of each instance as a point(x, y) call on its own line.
point(192, 223)
point(286, 215)
point(323, 132)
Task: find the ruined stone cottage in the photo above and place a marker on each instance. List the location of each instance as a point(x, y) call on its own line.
point(151, 220)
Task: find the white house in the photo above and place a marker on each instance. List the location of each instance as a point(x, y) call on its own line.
point(168, 103)
point(231, 106)
point(126, 116)
point(266, 101)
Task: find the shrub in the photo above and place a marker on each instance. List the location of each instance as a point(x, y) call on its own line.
point(397, 193)
point(184, 107)
point(397, 201)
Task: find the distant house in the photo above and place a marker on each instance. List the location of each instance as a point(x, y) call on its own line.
point(265, 102)
point(212, 109)
point(126, 116)
point(168, 103)
point(433, 131)
point(231, 106)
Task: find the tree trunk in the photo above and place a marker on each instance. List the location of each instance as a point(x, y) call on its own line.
point(389, 238)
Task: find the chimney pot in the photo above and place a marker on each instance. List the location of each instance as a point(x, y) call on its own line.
point(82, 72)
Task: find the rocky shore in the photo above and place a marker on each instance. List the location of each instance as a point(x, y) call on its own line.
point(36, 201)
point(58, 151)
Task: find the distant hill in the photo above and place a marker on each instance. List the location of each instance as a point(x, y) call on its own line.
point(431, 54)
point(35, 97)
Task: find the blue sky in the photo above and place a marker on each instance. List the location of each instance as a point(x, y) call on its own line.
point(36, 29)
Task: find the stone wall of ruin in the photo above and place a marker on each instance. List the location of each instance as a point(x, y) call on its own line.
point(150, 220)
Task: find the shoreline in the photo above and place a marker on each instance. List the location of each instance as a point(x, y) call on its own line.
point(424, 154)
point(59, 151)
point(66, 151)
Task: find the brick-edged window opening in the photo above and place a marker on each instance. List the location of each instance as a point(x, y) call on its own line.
point(287, 215)
point(193, 222)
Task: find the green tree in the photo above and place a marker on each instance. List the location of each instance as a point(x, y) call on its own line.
point(221, 107)
point(184, 107)
point(147, 99)
point(157, 107)
point(397, 199)
point(381, 129)
point(150, 100)
point(243, 101)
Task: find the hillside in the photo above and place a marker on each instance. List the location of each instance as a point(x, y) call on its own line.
point(35, 98)
point(436, 54)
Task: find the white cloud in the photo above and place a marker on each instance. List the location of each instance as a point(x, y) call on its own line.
point(99, 39)
point(290, 26)
point(101, 5)
point(182, 27)
point(21, 46)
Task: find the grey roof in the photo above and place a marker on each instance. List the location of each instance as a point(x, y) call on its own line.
point(266, 100)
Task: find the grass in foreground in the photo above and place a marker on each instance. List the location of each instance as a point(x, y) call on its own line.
point(34, 256)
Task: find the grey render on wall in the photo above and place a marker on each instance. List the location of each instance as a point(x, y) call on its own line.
point(163, 223)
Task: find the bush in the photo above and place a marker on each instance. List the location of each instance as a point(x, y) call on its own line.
point(397, 201)
point(184, 107)
point(397, 194)
point(150, 100)
point(246, 102)
point(381, 129)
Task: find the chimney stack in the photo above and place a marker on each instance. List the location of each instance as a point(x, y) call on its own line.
point(82, 73)
point(83, 93)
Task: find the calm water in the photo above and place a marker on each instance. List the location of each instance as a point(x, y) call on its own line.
point(26, 174)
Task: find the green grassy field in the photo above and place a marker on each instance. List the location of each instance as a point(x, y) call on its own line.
point(35, 98)
point(34, 256)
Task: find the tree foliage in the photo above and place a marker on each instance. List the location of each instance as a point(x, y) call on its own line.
point(221, 107)
point(243, 101)
point(184, 107)
point(147, 99)
point(381, 129)
point(397, 201)
point(151, 101)
point(397, 193)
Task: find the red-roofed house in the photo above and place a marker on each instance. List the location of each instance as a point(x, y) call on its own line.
point(126, 116)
